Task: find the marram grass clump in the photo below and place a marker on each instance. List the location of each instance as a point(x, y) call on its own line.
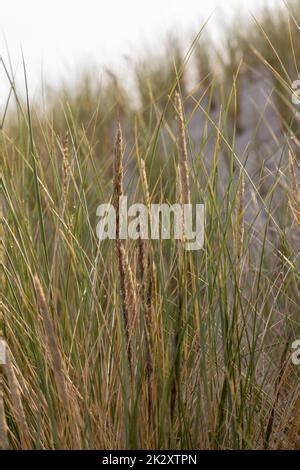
point(141, 343)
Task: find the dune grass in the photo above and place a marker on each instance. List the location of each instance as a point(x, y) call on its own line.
point(141, 344)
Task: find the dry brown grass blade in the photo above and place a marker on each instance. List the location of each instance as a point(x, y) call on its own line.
point(16, 398)
point(279, 382)
point(67, 391)
point(145, 183)
point(52, 348)
point(294, 434)
point(294, 196)
point(147, 293)
point(143, 245)
point(127, 284)
point(3, 425)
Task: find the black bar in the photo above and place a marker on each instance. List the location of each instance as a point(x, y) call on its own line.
point(138, 458)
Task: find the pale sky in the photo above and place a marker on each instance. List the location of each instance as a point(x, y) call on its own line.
point(60, 37)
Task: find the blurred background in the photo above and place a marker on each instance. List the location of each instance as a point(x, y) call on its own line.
point(59, 39)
